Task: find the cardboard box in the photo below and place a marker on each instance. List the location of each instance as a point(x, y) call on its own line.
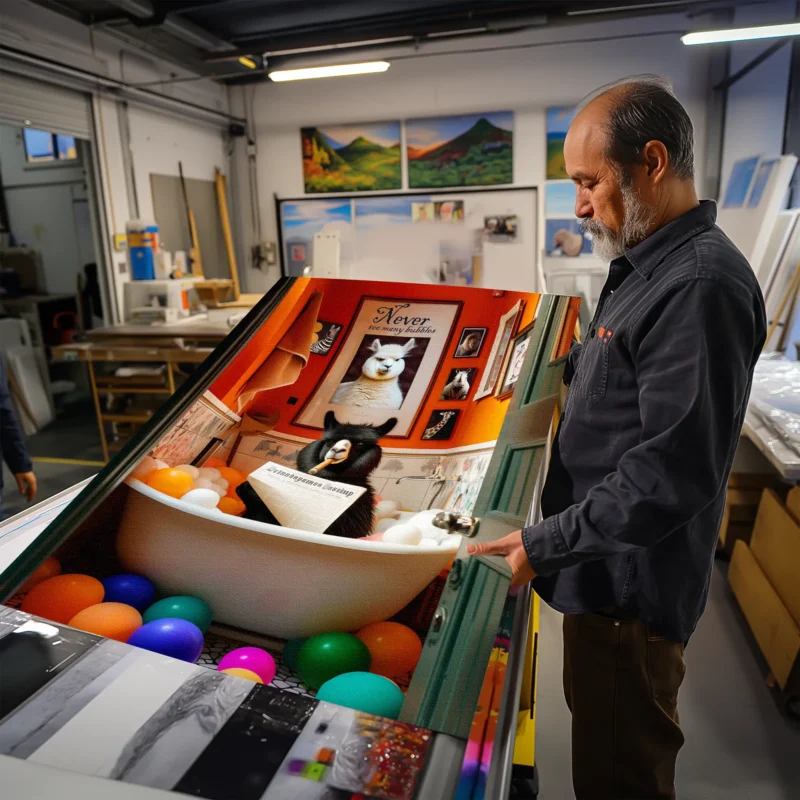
point(775, 543)
point(777, 633)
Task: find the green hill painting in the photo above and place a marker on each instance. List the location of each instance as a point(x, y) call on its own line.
point(467, 150)
point(351, 158)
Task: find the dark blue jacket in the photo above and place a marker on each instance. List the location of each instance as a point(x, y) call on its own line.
point(636, 486)
point(12, 440)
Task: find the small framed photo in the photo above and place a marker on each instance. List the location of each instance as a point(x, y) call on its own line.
point(459, 383)
point(470, 343)
point(500, 347)
point(512, 367)
point(441, 425)
point(327, 333)
point(424, 211)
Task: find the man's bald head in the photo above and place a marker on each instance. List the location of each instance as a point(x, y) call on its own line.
point(638, 110)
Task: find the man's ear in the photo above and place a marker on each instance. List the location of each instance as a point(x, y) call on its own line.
point(655, 160)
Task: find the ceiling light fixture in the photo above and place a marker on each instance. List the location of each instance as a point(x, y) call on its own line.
point(333, 71)
point(247, 62)
point(742, 34)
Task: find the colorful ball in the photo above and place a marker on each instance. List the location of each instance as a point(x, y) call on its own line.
point(231, 505)
point(133, 590)
point(253, 659)
point(49, 568)
point(172, 482)
point(327, 655)
point(214, 463)
point(112, 620)
point(395, 649)
point(290, 651)
point(247, 674)
point(60, 598)
point(192, 609)
point(364, 691)
point(176, 638)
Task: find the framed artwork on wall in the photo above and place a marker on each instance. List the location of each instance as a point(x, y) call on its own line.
point(441, 425)
point(512, 366)
point(459, 382)
point(502, 341)
point(470, 343)
point(558, 121)
point(327, 333)
point(385, 366)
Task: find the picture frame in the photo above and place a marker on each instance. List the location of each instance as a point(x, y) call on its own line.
point(441, 424)
point(500, 345)
point(512, 365)
point(470, 343)
point(460, 381)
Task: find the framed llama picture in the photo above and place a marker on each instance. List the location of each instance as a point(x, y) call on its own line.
point(441, 425)
point(327, 333)
point(497, 356)
point(385, 365)
point(459, 383)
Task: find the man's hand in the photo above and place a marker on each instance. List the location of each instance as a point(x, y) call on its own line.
point(26, 481)
point(513, 550)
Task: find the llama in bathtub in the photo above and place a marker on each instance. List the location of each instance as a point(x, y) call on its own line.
point(377, 386)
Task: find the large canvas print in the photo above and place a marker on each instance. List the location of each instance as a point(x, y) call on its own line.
point(558, 121)
point(386, 363)
point(351, 158)
point(466, 150)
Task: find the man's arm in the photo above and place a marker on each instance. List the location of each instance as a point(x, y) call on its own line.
point(15, 453)
point(693, 366)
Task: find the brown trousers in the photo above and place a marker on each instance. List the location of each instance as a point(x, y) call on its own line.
point(621, 683)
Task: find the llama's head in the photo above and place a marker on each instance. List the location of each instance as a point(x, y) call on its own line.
point(353, 448)
point(386, 361)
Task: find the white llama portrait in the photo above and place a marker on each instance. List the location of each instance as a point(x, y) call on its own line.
point(382, 378)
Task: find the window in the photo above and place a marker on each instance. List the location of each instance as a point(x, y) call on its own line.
point(44, 147)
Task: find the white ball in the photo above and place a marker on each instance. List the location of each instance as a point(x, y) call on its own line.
point(384, 524)
point(143, 468)
point(386, 509)
point(205, 498)
point(209, 473)
point(161, 464)
point(221, 483)
point(428, 543)
point(191, 471)
point(218, 489)
point(203, 483)
point(403, 534)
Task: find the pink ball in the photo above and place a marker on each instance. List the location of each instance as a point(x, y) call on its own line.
point(252, 658)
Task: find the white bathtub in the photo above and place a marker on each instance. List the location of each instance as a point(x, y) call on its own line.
point(267, 579)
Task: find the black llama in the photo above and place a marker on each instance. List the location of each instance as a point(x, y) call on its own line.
point(345, 453)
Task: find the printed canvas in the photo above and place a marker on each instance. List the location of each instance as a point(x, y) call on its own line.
point(558, 122)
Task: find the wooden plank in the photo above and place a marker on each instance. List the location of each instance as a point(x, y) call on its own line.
point(775, 543)
point(754, 480)
point(793, 502)
point(222, 200)
point(776, 632)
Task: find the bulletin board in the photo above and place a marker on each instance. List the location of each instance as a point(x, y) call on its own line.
point(469, 238)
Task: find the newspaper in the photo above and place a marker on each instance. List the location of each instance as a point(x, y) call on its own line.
point(302, 501)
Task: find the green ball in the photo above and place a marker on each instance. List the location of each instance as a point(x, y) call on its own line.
point(192, 609)
point(364, 691)
point(290, 651)
point(327, 655)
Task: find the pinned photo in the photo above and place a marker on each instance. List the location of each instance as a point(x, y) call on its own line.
point(501, 227)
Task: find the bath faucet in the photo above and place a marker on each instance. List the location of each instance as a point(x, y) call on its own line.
point(412, 478)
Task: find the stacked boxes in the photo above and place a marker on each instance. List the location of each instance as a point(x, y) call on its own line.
point(741, 506)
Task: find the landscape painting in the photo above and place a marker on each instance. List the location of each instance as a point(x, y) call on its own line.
point(351, 158)
point(558, 122)
point(466, 150)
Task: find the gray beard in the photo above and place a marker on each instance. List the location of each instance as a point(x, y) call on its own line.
point(608, 245)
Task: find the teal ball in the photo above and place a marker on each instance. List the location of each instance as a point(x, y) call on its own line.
point(192, 609)
point(364, 691)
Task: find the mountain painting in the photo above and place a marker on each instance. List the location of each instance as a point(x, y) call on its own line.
point(467, 150)
point(558, 122)
point(351, 158)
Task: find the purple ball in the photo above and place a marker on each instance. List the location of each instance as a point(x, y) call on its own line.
point(176, 638)
point(133, 590)
point(253, 658)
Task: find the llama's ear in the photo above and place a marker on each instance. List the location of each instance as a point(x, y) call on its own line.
point(375, 346)
point(330, 420)
point(386, 427)
point(409, 346)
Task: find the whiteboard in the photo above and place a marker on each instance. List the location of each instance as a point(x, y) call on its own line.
point(402, 237)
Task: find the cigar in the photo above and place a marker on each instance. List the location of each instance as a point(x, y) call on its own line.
point(326, 463)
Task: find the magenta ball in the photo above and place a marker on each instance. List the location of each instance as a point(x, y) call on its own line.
point(253, 658)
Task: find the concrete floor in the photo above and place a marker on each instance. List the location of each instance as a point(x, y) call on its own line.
point(739, 744)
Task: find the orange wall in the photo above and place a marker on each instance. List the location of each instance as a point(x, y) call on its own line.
point(479, 421)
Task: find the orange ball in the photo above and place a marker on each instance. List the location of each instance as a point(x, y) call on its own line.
point(59, 599)
point(49, 568)
point(215, 462)
point(395, 648)
point(173, 482)
point(247, 674)
point(231, 505)
point(112, 620)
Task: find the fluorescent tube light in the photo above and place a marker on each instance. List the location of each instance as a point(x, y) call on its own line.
point(333, 71)
point(742, 34)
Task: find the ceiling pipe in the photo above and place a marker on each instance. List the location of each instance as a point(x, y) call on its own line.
point(144, 14)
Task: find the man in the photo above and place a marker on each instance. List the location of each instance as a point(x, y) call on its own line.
point(636, 485)
point(12, 445)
